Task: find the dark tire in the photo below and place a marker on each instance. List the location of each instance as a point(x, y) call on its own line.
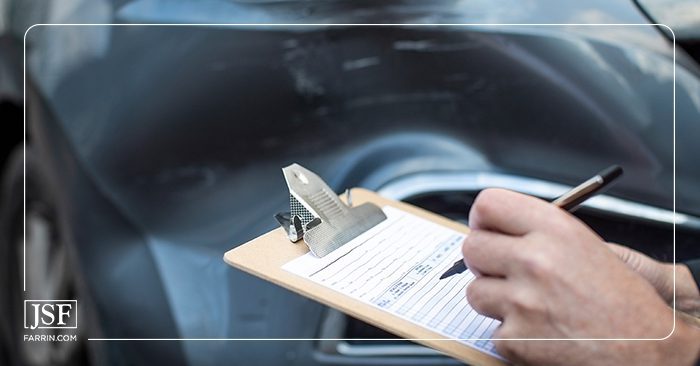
point(42, 236)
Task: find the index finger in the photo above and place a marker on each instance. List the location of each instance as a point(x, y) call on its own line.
point(510, 212)
point(490, 253)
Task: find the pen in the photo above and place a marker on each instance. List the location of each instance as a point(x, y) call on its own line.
point(567, 201)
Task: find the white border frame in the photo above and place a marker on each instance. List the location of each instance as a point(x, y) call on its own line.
point(357, 25)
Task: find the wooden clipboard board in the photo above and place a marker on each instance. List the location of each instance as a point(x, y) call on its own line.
point(264, 257)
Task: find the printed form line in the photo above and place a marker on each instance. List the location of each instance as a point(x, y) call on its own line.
point(396, 266)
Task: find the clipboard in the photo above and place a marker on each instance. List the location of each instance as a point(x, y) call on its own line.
point(264, 257)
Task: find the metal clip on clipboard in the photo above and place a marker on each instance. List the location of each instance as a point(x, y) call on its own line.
point(319, 217)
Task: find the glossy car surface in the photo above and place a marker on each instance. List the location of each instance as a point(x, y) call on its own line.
point(163, 147)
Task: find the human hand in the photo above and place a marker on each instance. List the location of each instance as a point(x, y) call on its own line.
point(547, 275)
point(658, 274)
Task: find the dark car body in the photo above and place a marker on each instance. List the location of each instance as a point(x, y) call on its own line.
point(164, 144)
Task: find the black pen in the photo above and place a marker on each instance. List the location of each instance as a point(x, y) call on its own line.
point(567, 201)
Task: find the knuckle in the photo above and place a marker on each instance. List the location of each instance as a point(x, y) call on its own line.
point(489, 193)
point(509, 345)
point(538, 264)
point(472, 242)
point(468, 243)
point(503, 331)
point(525, 302)
point(505, 347)
point(473, 237)
point(564, 223)
point(473, 293)
point(561, 226)
point(484, 204)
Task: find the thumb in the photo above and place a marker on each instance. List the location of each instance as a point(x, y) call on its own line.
point(650, 269)
point(638, 261)
point(624, 253)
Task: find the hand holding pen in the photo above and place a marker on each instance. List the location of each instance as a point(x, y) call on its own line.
point(568, 201)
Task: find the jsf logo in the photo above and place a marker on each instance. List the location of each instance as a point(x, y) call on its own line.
point(50, 314)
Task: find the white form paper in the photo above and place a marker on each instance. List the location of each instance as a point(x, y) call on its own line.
point(396, 266)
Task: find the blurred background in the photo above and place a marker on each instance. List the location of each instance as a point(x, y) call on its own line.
point(152, 150)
